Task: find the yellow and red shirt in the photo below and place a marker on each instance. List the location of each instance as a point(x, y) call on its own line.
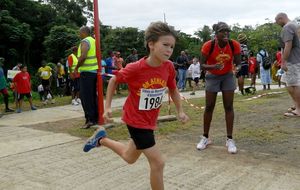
point(146, 86)
point(221, 55)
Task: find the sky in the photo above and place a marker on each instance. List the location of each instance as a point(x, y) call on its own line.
point(190, 15)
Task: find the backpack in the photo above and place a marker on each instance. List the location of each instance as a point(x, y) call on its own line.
point(212, 46)
point(266, 61)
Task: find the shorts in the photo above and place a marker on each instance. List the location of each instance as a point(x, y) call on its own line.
point(142, 138)
point(293, 74)
point(45, 82)
point(4, 91)
point(243, 72)
point(196, 80)
point(21, 96)
point(75, 85)
point(218, 83)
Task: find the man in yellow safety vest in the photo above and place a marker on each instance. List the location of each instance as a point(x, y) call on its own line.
point(88, 65)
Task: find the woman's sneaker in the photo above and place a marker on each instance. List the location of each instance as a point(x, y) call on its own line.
point(231, 146)
point(78, 101)
point(74, 102)
point(93, 141)
point(203, 143)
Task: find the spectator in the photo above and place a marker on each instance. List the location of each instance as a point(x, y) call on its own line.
point(291, 60)
point(218, 57)
point(243, 70)
point(190, 62)
point(182, 64)
point(3, 89)
point(88, 66)
point(265, 74)
point(74, 77)
point(253, 68)
point(17, 67)
point(23, 88)
point(195, 71)
point(61, 81)
point(45, 73)
point(133, 57)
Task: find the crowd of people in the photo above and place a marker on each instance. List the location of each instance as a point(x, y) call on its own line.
point(223, 61)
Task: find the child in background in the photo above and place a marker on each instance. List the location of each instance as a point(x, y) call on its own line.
point(141, 108)
point(195, 71)
point(23, 87)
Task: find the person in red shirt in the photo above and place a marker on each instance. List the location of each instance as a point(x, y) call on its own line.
point(141, 109)
point(253, 68)
point(218, 58)
point(278, 57)
point(23, 87)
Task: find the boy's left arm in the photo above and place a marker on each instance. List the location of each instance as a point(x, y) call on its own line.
point(177, 101)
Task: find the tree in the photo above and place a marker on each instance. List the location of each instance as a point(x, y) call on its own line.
point(15, 38)
point(123, 39)
point(59, 41)
point(204, 34)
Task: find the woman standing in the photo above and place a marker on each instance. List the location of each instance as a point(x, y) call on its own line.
point(218, 57)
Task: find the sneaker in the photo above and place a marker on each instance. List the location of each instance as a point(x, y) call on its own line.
point(193, 93)
point(19, 111)
point(33, 108)
point(74, 102)
point(231, 146)
point(88, 125)
point(78, 101)
point(9, 110)
point(203, 143)
point(93, 141)
point(45, 102)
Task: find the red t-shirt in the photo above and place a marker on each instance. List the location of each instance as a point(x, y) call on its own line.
point(22, 81)
point(278, 58)
point(252, 64)
point(146, 84)
point(221, 55)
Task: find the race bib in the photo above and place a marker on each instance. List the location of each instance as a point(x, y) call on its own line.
point(44, 74)
point(151, 98)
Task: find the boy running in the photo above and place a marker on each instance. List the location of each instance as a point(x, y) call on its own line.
point(141, 109)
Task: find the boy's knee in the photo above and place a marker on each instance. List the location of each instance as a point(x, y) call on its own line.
point(158, 165)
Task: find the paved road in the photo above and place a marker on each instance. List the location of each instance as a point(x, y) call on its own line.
point(34, 159)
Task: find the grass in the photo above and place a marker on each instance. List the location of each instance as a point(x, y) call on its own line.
point(241, 106)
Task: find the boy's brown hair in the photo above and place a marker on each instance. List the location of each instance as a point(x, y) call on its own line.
point(156, 30)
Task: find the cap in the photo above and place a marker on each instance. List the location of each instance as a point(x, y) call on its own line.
point(242, 38)
point(220, 26)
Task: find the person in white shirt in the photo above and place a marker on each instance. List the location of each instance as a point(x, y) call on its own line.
point(195, 71)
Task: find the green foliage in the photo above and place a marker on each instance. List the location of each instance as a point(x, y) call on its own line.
point(59, 40)
point(123, 39)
